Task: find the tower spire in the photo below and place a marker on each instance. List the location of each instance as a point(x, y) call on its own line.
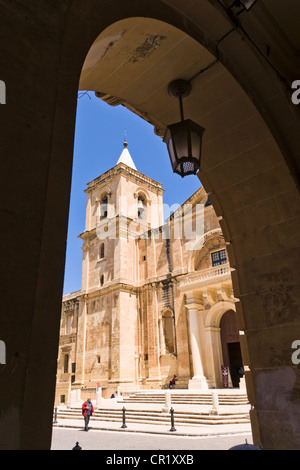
point(125, 156)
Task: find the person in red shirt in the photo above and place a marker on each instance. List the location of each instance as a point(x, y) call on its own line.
point(87, 412)
point(172, 382)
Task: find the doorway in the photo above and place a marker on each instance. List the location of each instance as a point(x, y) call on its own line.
point(231, 349)
point(235, 362)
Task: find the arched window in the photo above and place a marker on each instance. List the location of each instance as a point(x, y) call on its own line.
point(212, 253)
point(101, 280)
point(218, 258)
point(103, 207)
point(101, 251)
point(142, 207)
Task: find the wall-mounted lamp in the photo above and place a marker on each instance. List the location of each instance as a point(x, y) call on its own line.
point(184, 138)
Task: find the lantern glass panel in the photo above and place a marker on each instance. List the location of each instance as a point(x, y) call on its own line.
point(196, 144)
point(180, 143)
point(171, 151)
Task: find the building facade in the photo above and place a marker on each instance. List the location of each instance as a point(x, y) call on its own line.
point(156, 297)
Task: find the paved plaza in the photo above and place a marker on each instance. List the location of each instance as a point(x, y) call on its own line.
point(66, 438)
point(153, 432)
point(108, 434)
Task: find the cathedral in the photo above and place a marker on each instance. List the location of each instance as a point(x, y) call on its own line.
point(156, 298)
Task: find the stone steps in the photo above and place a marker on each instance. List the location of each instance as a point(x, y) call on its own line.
point(157, 417)
point(187, 399)
point(183, 401)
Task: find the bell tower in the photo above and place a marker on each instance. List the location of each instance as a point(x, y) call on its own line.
point(122, 204)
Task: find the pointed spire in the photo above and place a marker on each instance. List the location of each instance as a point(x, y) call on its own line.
point(125, 156)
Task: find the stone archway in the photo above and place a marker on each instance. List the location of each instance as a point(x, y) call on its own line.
point(252, 173)
point(214, 234)
point(215, 349)
point(230, 341)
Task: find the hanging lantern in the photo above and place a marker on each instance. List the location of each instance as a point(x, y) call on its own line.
point(184, 138)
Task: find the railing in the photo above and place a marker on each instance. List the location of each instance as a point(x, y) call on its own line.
point(206, 274)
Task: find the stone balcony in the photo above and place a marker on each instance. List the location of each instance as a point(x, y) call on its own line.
point(205, 277)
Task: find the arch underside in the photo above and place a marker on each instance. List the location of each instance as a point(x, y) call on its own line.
point(244, 156)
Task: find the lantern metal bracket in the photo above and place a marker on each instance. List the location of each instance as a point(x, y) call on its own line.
point(180, 89)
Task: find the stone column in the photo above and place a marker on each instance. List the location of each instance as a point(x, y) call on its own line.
point(214, 355)
point(199, 380)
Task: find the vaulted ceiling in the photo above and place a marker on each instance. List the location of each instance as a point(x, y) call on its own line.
point(133, 61)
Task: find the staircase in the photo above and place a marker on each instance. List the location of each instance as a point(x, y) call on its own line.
point(187, 398)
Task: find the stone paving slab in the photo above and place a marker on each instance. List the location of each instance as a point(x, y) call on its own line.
point(140, 444)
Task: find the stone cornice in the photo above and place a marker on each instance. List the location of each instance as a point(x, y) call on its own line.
point(72, 298)
point(122, 169)
point(112, 287)
point(117, 286)
point(184, 281)
point(88, 234)
point(195, 198)
point(114, 228)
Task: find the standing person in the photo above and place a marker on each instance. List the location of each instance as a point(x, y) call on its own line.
point(87, 411)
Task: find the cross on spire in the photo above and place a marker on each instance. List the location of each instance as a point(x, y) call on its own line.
point(125, 139)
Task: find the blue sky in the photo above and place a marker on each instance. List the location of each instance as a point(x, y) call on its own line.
point(99, 137)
